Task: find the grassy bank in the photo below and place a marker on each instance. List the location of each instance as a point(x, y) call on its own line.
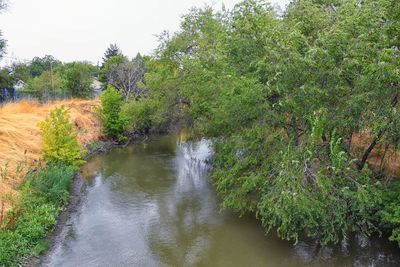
point(43, 195)
point(21, 144)
point(41, 147)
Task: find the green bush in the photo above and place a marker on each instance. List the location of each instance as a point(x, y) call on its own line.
point(43, 195)
point(139, 114)
point(111, 102)
point(294, 189)
point(54, 182)
point(390, 214)
point(60, 139)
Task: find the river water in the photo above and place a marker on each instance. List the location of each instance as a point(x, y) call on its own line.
point(151, 204)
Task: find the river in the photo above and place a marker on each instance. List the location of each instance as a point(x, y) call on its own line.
point(151, 204)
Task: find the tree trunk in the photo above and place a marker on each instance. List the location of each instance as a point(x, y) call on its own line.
point(361, 163)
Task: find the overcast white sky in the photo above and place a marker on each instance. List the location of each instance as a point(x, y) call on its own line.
point(82, 29)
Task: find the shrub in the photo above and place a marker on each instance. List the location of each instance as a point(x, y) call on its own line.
point(54, 182)
point(60, 139)
point(390, 214)
point(111, 102)
point(139, 114)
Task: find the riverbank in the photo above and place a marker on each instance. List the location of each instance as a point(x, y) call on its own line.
point(69, 212)
point(32, 195)
point(63, 225)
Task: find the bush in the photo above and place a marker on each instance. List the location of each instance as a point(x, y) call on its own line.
point(60, 139)
point(390, 214)
point(54, 182)
point(111, 102)
point(139, 115)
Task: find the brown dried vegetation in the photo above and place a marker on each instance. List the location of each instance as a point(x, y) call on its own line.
point(20, 140)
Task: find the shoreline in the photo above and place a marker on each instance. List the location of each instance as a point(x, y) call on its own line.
point(64, 219)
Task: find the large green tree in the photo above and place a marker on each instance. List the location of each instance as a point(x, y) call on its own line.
point(282, 96)
point(78, 79)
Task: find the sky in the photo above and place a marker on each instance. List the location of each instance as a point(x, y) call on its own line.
point(75, 30)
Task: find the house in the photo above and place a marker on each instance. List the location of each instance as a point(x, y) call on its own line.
point(19, 85)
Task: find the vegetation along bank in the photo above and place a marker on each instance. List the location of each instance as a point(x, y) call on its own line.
point(302, 108)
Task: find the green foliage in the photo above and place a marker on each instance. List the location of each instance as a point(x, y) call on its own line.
point(111, 103)
point(39, 65)
point(282, 96)
point(112, 51)
point(21, 72)
point(139, 115)
point(59, 137)
point(6, 80)
point(111, 61)
point(390, 214)
point(318, 124)
point(78, 79)
point(45, 83)
point(338, 156)
point(47, 77)
point(43, 195)
point(54, 182)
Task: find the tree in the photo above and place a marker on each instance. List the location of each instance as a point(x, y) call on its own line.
point(39, 65)
point(6, 79)
point(105, 69)
point(112, 51)
point(21, 71)
point(282, 97)
point(78, 79)
point(128, 77)
point(46, 84)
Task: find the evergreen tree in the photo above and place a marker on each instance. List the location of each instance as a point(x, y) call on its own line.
point(112, 51)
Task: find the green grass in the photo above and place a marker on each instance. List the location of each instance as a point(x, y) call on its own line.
point(43, 195)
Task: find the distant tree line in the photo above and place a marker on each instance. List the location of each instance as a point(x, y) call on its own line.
point(48, 76)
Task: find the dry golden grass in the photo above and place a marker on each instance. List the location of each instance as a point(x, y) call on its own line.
point(20, 140)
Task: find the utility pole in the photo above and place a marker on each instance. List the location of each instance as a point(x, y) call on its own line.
point(51, 79)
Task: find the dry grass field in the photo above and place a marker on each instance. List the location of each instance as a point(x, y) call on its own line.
point(20, 140)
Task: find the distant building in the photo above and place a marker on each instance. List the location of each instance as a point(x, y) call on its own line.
point(19, 85)
point(97, 87)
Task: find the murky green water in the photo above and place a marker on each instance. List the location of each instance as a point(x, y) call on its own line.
point(152, 205)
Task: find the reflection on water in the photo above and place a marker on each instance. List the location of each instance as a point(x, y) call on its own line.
point(152, 205)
